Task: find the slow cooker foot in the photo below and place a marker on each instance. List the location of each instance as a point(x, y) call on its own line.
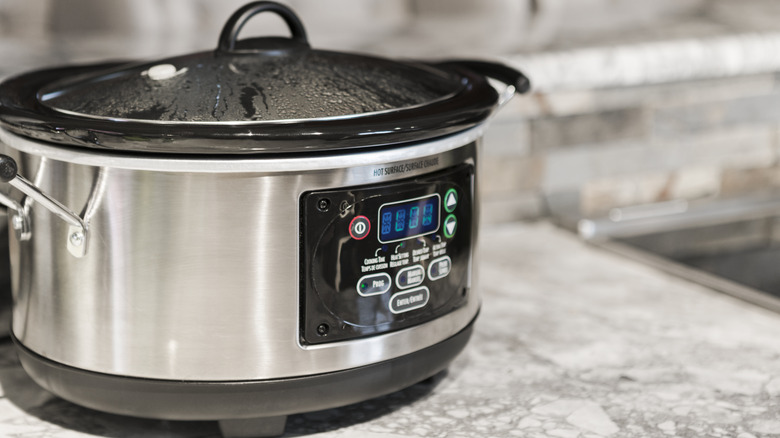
point(253, 427)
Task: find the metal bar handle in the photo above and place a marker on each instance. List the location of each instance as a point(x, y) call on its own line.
point(77, 233)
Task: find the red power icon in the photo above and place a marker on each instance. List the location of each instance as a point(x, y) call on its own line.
point(359, 227)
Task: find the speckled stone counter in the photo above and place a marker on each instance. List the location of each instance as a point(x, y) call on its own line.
point(572, 342)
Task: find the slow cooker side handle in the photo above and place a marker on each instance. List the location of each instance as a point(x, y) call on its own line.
point(502, 72)
point(77, 231)
point(515, 80)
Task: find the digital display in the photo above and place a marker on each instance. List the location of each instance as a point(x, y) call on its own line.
point(410, 218)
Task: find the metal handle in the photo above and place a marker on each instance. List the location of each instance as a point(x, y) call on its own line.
point(77, 232)
point(228, 36)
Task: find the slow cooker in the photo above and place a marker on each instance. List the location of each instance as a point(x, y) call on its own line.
point(247, 232)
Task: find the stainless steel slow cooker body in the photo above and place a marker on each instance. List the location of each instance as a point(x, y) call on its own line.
point(186, 304)
point(192, 266)
point(206, 245)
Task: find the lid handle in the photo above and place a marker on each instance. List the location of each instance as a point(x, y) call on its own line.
point(229, 34)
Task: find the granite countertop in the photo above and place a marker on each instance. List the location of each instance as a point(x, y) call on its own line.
point(572, 342)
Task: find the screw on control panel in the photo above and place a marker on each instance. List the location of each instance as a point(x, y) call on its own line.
point(323, 329)
point(344, 206)
point(323, 204)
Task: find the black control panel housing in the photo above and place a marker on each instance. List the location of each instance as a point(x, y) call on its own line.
point(374, 261)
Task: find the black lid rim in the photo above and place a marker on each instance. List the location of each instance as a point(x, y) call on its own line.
point(22, 112)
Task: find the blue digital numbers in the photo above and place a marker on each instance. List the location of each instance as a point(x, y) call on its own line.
point(401, 220)
point(428, 215)
point(414, 218)
point(387, 220)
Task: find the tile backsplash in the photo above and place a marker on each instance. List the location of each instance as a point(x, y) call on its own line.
point(606, 148)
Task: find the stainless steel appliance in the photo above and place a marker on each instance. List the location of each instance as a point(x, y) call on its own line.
point(244, 233)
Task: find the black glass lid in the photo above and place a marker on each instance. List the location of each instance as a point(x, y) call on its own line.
point(208, 87)
point(248, 96)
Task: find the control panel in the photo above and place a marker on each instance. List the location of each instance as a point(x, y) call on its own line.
point(385, 257)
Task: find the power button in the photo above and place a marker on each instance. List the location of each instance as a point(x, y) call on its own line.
point(359, 227)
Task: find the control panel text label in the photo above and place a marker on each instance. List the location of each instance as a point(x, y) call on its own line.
point(406, 167)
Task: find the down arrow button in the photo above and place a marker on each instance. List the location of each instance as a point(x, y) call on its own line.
point(450, 225)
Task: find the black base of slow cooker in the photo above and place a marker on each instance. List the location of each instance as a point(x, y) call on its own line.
point(244, 408)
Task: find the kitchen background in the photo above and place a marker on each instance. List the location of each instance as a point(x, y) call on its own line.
point(634, 102)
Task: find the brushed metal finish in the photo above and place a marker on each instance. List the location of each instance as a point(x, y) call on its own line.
point(192, 273)
point(25, 186)
point(76, 242)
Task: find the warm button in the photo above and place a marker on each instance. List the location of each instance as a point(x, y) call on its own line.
point(409, 300)
point(374, 284)
point(410, 277)
point(439, 268)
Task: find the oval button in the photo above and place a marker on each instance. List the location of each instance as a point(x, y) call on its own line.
point(409, 300)
point(374, 284)
point(410, 277)
point(439, 268)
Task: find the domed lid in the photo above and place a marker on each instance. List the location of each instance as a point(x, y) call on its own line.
point(256, 95)
point(291, 85)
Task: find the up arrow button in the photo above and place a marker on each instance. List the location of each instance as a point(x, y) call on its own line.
point(450, 200)
point(450, 225)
